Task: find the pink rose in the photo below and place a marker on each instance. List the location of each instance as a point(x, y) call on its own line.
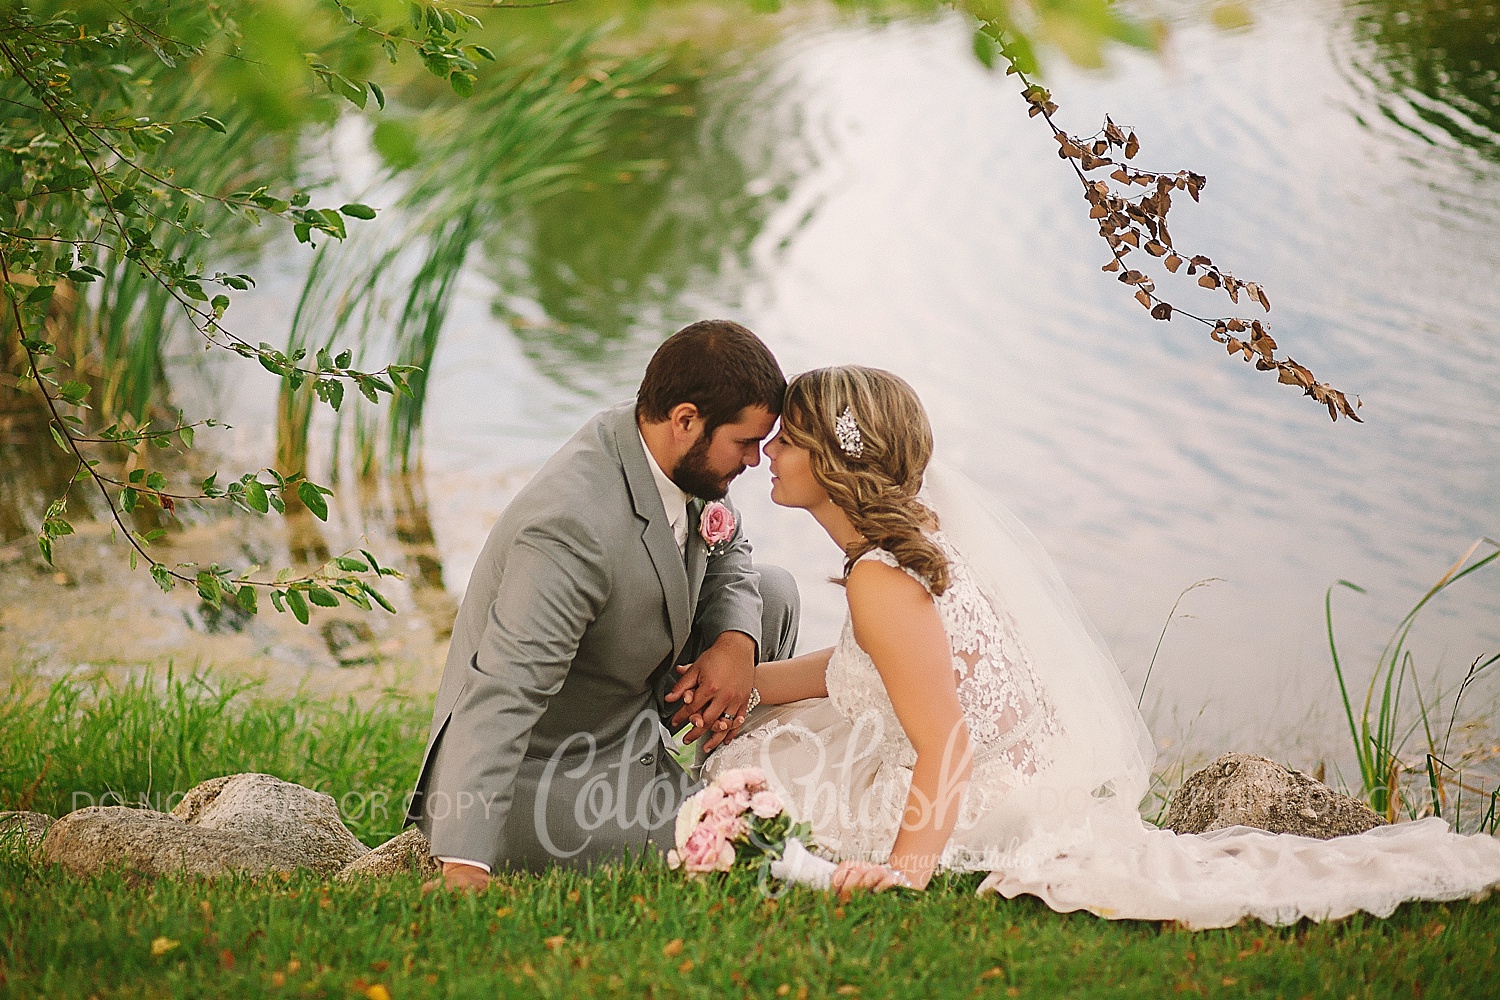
point(766, 805)
point(704, 850)
point(738, 780)
point(727, 819)
point(716, 524)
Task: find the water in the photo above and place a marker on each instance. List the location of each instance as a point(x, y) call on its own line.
point(869, 193)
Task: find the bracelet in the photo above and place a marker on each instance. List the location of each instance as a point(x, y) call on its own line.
point(754, 700)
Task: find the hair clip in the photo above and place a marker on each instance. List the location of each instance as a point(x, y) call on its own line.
point(846, 429)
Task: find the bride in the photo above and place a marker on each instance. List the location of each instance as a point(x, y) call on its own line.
point(969, 718)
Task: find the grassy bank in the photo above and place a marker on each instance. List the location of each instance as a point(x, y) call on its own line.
point(147, 740)
point(648, 932)
point(624, 931)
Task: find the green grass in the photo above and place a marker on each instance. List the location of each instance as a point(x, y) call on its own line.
point(79, 742)
point(566, 934)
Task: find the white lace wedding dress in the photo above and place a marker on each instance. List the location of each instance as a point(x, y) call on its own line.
point(1060, 763)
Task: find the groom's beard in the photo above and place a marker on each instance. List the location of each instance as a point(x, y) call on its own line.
point(694, 477)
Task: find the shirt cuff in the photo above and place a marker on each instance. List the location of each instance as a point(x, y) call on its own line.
point(466, 861)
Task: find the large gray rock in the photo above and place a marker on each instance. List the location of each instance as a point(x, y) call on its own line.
point(32, 826)
point(264, 806)
point(252, 823)
point(402, 854)
point(153, 843)
point(1242, 789)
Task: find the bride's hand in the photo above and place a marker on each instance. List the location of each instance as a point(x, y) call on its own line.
point(853, 875)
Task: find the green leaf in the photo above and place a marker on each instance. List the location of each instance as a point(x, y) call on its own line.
point(219, 304)
point(379, 94)
point(245, 598)
point(255, 496)
point(81, 276)
point(156, 481)
point(128, 497)
point(379, 598)
point(186, 434)
point(137, 475)
point(357, 211)
point(209, 588)
point(323, 598)
point(344, 359)
point(162, 577)
point(396, 142)
point(462, 83)
point(276, 601)
point(298, 604)
point(984, 49)
point(354, 92)
point(333, 222)
point(58, 438)
point(73, 392)
point(351, 564)
point(312, 497)
point(209, 121)
point(486, 53)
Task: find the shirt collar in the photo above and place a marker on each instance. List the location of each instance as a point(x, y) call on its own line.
point(673, 499)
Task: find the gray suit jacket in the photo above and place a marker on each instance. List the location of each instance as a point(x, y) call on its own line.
point(544, 744)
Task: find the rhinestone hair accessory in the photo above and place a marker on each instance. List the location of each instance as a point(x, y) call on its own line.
point(846, 429)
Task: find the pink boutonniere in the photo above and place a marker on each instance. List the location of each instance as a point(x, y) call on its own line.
point(716, 524)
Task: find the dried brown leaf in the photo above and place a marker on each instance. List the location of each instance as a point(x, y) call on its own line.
point(1143, 298)
point(1173, 262)
point(1209, 280)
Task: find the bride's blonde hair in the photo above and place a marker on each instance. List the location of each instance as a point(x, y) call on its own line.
point(876, 488)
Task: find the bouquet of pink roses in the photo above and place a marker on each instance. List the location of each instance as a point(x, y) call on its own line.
point(736, 817)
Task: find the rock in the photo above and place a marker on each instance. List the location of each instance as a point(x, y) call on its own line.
point(33, 826)
point(263, 806)
point(406, 852)
point(154, 843)
point(253, 823)
point(1245, 790)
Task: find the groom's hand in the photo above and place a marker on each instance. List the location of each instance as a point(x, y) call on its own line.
point(714, 690)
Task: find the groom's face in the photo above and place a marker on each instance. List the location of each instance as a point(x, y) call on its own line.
point(713, 461)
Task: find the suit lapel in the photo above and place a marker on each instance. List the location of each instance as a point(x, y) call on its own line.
point(657, 533)
point(697, 554)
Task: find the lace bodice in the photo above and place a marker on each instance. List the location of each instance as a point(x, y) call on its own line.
point(1010, 720)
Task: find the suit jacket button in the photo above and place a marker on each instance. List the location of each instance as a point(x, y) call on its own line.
point(648, 759)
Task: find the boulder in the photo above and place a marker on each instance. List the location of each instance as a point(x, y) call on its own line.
point(1245, 790)
point(404, 853)
point(32, 826)
point(153, 843)
point(252, 823)
point(263, 806)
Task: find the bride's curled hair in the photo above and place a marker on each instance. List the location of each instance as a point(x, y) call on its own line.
point(876, 482)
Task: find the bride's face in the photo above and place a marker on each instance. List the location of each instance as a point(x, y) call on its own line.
point(792, 482)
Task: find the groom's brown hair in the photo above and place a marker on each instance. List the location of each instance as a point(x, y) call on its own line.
point(718, 366)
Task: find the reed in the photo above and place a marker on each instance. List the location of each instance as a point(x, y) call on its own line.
point(523, 136)
point(1380, 731)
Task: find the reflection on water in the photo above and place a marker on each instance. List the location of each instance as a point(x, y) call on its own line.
point(1439, 61)
point(662, 221)
point(867, 193)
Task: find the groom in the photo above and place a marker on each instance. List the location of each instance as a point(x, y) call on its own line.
point(595, 583)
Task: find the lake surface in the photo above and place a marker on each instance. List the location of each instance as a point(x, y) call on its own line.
point(870, 193)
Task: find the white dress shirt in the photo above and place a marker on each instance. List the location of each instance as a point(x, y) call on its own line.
point(672, 498)
point(675, 501)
